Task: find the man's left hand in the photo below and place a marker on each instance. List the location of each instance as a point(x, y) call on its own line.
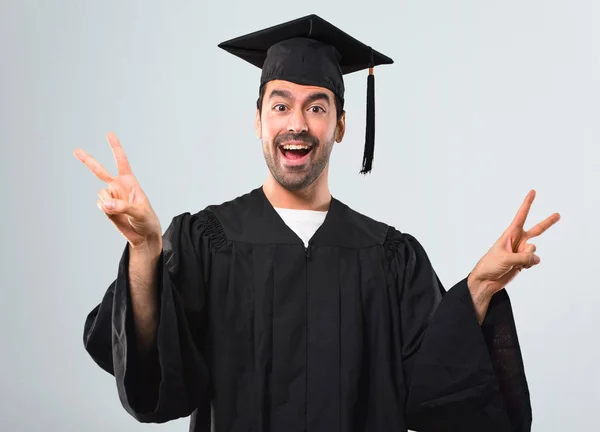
point(507, 257)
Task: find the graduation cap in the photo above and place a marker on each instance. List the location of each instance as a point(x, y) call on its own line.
point(311, 51)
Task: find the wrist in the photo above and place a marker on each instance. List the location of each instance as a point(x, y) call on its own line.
point(481, 296)
point(150, 248)
point(479, 289)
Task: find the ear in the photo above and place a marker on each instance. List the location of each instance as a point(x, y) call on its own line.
point(340, 129)
point(258, 125)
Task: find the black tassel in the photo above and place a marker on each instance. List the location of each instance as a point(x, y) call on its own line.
point(370, 127)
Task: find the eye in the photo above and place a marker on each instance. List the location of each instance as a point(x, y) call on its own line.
point(317, 109)
point(280, 107)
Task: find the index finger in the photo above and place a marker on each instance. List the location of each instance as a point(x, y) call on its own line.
point(521, 216)
point(93, 165)
point(119, 154)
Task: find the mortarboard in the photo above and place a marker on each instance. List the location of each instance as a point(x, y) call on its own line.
point(311, 51)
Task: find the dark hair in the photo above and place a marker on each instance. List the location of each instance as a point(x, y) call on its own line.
point(339, 104)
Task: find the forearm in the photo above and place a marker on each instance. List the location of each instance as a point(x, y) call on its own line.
point(143, 289)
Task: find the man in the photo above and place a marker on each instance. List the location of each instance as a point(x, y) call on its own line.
point(286, 310)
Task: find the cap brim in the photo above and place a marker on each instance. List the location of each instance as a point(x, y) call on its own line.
point(354, 55)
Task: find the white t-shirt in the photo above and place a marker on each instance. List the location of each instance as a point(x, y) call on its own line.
point(303, 222)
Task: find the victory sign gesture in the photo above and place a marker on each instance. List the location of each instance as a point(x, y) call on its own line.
point(123, 200)
point(511, 253)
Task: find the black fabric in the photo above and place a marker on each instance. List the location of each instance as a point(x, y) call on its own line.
point(304, 61)
point(503, 342)
point(268, 46)
point(354, 333)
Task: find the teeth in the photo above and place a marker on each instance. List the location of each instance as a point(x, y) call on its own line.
point(295, 147)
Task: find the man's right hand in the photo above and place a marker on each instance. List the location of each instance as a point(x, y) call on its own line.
point(126, 205)
point(123, 200)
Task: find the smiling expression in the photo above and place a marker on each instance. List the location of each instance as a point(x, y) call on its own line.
point(298, 126)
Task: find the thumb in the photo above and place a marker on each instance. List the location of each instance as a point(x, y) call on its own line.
point(121, 207)
point(524, 259)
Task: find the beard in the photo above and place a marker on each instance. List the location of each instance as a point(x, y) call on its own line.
point(295, 178)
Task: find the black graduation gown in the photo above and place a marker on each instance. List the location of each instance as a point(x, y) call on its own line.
point(354, 333)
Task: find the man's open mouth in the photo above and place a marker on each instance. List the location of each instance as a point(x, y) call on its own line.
point(295, 151)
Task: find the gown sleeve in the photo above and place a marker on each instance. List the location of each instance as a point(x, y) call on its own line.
point(172, 381)
point(460, 376)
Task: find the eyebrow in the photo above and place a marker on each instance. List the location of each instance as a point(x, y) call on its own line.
point(288, 95)
point(318, 96)
point(281, 93)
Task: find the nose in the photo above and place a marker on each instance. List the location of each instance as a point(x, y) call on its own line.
point(297, 122)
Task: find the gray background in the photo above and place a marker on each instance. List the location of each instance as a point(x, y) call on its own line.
point(485, 101)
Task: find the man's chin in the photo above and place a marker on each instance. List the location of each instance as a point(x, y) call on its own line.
point(293, 177)
point(293, 180)
point(294, 184)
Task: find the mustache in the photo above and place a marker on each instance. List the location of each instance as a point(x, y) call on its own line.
point(304, 137)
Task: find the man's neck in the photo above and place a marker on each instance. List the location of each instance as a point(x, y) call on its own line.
point(314, 197)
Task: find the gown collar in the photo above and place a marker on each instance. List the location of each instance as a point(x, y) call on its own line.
point(259, 223)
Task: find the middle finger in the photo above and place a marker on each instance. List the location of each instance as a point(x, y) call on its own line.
point(541, 227)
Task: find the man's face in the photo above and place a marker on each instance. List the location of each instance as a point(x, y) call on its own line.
point(298, 126)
